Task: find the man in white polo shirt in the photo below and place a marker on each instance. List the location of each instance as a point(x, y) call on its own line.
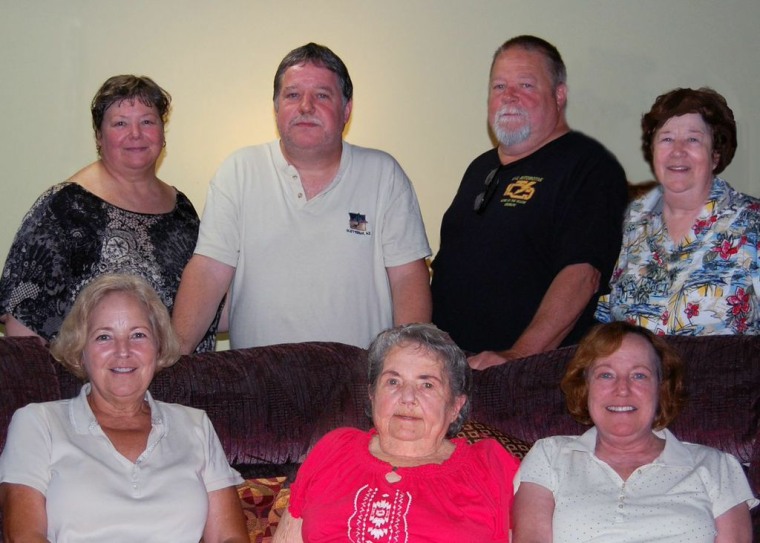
point(316, 239)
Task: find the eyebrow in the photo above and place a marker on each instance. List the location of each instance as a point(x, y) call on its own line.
point(421, 376)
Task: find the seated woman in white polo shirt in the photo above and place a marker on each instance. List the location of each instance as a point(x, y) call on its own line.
point(628, 478)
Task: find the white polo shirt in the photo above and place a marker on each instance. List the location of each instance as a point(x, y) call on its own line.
point(310, 270)
point(675, 499)
point(94, 494)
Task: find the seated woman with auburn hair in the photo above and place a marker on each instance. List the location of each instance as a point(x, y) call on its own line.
point(628, 479)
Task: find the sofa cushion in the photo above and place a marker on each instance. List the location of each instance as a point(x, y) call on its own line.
point(263, 501)
point(27, 375)
point(474, 431)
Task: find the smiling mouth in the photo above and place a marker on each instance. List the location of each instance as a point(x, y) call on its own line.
point(122, 370)
point(621, 408)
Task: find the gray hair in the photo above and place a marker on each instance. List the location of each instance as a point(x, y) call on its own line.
point(434, 342)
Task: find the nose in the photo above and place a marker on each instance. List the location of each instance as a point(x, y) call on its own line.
point(622, 385)
point(122, 347)
point(135, 130)
point(678, 147)
point(307, 103)
point(408, 394)
point(509, 94)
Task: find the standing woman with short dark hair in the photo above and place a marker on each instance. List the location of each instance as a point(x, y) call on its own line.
point(113, 216)
point(690, 263)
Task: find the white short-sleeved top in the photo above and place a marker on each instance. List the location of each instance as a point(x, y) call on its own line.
point(674, 499)
point(94, 494)
point(316, 269)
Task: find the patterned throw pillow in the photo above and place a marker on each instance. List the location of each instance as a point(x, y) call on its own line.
point(475, 431)
point(264, 500)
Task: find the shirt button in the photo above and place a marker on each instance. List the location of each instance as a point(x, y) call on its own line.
point(300, 194)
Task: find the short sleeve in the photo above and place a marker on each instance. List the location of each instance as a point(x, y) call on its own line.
point(589, 229)
point(403, 235)
point(217, 474)
point(536, 467)
point(318, 461)
point(35, 273)
point(727, 484)
point(26, 458)
point(219, 234)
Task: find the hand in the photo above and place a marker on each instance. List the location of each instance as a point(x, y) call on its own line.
point(486, 359)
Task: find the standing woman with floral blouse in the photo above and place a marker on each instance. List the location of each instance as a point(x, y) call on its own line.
point(113, 216)
point(689, 263)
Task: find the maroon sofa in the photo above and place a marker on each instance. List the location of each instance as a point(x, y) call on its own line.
point(269, 405)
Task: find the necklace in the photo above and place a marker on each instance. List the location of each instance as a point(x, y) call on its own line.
point(392, 476)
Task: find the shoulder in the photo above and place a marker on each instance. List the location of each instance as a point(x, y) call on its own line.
point(587, 149)
point(252, 153)
point(343, 437)
point(697, 454)
point(736, 198)
point(491, 452)
point(38, 413)
point(552, 447)
point(368, 153)
point(181, 415)
point(65, 191)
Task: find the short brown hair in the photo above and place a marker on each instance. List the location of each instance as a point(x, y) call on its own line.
point(70, 342)
point(118, 88)
point(605, 339)
point(710, 105)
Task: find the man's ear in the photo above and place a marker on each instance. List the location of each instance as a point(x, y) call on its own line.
point(347, 111)
point(560, 96)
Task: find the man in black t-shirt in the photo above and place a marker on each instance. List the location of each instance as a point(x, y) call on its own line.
point(535, 228)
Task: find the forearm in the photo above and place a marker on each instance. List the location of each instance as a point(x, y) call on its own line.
point(410, 291)
point(204, 282)
point(559, 311)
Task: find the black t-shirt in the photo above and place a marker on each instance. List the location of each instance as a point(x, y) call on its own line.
point(559, 206)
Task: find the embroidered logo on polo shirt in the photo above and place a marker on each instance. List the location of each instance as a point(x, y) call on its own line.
point(520, 190)
point(357, 224)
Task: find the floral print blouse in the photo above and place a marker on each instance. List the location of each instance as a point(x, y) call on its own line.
point(709, 284)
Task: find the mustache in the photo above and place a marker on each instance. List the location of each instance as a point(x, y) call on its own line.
point(510, 110)
point(306, 119)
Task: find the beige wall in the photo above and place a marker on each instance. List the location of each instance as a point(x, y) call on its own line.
point(419, 69)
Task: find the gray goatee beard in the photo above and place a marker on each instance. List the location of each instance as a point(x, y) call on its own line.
point(509, 137)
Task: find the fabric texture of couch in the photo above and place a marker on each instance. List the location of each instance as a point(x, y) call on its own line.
point(269, 405)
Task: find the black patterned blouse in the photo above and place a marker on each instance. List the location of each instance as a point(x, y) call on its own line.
point(70, 236)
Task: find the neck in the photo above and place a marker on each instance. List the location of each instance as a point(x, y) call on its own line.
point(316, 167)
point(103, 409)
point(410, 453)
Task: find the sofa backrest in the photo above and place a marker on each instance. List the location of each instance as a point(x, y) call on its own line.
point(27, 375)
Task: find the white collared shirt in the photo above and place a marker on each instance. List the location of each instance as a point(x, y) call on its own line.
point(674, 499)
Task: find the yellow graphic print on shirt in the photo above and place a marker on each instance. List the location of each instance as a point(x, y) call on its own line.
point(520, 190)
